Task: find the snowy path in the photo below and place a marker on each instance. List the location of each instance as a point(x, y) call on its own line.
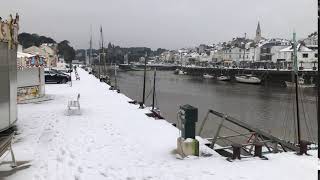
point(113, 139)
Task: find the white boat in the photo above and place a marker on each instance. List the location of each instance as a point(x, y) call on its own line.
point(179, 72)
point(250, 79)
point(223, 78)
point(301, 84)
point(208, 76)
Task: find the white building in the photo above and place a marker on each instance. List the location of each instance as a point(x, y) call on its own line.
point(306, 57)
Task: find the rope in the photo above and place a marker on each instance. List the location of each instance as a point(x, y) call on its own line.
point(306, 120)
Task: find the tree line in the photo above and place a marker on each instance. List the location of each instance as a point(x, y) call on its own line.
point(115, 54)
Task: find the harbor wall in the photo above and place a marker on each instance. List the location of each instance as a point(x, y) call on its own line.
point(267, 76)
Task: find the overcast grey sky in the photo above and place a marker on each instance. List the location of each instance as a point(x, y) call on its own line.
point(162, 23)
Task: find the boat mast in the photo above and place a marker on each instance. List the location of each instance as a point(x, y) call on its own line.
point(115, 77)
point(296, 84)
point(90, 44)
point(144, 79)
point(244, 46)
point(103, 55)
point(154, 88)
point(181, 60)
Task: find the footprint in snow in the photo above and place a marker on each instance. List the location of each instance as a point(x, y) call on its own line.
point(72, 156)
point(103, 174)
point(80, 170)
point(76, 177)
point(71, 163)
point(62, 151)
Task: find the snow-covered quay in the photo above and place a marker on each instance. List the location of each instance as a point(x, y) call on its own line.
point(113, 139)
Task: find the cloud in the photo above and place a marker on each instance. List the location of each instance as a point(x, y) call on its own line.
point(162, 23)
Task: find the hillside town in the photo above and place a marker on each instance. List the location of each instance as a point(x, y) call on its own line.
point(246, 108)
point(257, 52)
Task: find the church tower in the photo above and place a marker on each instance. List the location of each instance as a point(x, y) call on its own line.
point(258, 33)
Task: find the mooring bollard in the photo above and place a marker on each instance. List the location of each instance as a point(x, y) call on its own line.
point(303, 149)
point(236, 151)
point(141, 105)
point(258, 149)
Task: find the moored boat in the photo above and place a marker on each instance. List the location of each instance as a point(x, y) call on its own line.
point(250, 79)
point(179, 72)
point(301, 83)
point(223, 78)
point(207, 76)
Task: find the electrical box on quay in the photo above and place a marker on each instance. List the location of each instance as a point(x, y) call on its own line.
point(189, 117)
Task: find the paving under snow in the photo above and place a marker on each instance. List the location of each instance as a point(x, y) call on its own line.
point(113, 139)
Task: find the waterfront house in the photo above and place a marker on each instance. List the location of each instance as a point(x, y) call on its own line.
point(45, 50)
point(266, 53)
point(307, 58)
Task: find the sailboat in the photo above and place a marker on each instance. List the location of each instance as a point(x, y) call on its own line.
point(155, 112)
point(248, 78)
point(297, 130)
point(223, 77)
point(207, 76)
point(180, 71)
point(103, 76)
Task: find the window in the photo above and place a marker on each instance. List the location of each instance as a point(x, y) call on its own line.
point(316, 55)
point(230, 56)
point(239, 55)
point(239, 50)
point(305, 55)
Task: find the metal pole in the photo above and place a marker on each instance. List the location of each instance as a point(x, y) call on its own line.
point(70, 73)
point(103, 55)
point(144, 79)
point(296, 84)
point(244, 47)
point(217, 133)
point(318, 84)
point(115, 77)
point(154, 88)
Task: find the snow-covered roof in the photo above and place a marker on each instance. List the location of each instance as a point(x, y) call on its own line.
point(300, 48)
point(23, 55)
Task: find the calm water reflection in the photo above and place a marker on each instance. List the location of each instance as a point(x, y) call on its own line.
point(269, 108)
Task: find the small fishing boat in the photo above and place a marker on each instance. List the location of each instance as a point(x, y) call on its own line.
point(223, 78)
point(207, 76)
point(179, 72)
point(248, 78)
point(301, 83)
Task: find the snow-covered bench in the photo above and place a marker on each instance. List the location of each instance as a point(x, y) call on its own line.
point(74, 104)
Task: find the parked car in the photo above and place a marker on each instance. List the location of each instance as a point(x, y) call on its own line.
point(60, 72)
point(54, 76)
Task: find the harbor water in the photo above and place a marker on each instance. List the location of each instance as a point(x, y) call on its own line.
point(270, 108)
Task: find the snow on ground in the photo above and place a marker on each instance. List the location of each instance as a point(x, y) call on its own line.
point(113, 139)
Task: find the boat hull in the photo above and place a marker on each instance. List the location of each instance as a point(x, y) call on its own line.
point(291, 84)
point(248, 80)
point(223, 78)
point(207, 76)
